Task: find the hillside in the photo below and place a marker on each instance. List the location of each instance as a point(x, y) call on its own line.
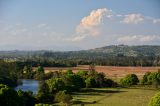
point(115, 55)
point(125, 50)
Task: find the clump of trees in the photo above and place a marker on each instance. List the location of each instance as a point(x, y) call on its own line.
point(27, 72)
point(8, 97)
point(130, 79)
point(68, 81)
point(155, 100)
point(8, 73)
point(26, 98)
point(58, 85)
point(151, 79)
point(39, 73)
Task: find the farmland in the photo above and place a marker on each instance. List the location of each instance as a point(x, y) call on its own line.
point(110, 71)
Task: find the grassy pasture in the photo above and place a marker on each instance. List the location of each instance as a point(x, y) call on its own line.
point(115, 97)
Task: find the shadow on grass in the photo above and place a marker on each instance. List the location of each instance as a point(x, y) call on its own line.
point(95, 92)
point(144, 87)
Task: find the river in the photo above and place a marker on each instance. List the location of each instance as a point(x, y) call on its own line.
point(28, 85)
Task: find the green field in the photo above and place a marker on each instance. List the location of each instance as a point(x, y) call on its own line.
point(115, 97)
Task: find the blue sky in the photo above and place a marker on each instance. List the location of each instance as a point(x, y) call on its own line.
point(74, 25)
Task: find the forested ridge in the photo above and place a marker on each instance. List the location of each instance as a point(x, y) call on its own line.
point(114, 55)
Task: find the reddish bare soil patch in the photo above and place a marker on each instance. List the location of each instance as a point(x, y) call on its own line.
point(110, 71)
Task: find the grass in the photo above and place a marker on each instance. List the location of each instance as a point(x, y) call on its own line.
point(115, 97)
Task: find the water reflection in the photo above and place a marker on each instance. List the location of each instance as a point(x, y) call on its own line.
point(28, 85)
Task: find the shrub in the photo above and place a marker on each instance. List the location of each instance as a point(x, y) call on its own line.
point(61, 96)
point(69, 72)
point(110, 83)
point(39, 69)
point(90, 82)
point(82, 74)
point(44, 98)
point(155, 100)
point(153, 77)
point(129, 80)
point(145, 78)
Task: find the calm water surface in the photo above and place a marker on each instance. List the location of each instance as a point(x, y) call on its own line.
point(28, 85)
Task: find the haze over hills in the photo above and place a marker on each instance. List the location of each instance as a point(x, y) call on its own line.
point(126, 50)
point(114, 50)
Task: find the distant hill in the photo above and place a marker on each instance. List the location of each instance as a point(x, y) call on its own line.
point(144, 50)
point(114, 55)
point(113, 50)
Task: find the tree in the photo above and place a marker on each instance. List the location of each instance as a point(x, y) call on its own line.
point(73, 82)
point(55, 85)
point(39, 69)
point(43, 95)
point(8, 73)
point(90, 82)
point(8, 81)
point(155, 100)
point(39, 73)
point(100, 79)
point(9, 97)
point(154, 77)
point(27, 72)
point(109, 83)
point(129, 80)
point(27, 98)
point(61, 96)
point(83, 74)
point(69, 72)
point(145, 78)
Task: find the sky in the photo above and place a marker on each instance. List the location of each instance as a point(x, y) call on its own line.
point(77, 24)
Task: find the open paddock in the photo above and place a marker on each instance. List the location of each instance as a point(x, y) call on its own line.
point(110, 71)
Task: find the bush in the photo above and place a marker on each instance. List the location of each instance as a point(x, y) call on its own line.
point(153, 77)
point(155, 101)
point(145, 78)
point(129, 80)
point(61, 96)
point(90, 82)
point(39, 69)
point(69, 72)
point(44, 98)
point(110, 83)
point(82, 74)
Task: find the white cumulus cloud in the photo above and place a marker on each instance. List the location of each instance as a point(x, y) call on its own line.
point(156, 21)
point(89, 25)
point(138, 39)
point(132, 19)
